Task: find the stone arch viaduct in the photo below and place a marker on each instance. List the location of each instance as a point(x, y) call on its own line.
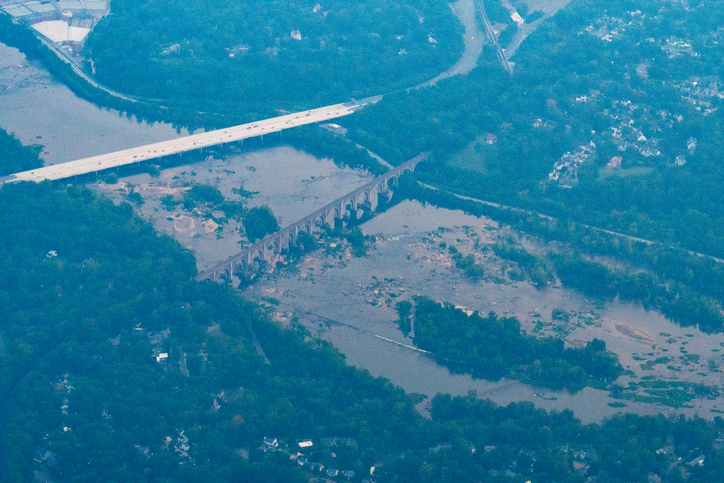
point(272, 246)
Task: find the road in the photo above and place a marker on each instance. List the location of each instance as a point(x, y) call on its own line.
point(548, 7)
point(80, 72)
point(189, 143)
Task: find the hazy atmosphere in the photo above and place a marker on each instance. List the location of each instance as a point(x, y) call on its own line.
point(381, 241)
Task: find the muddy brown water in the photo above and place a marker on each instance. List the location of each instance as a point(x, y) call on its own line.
point(332, 285)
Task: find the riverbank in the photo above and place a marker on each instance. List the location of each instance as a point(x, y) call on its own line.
point(408, 260)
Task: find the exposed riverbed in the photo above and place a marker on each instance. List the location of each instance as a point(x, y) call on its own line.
point(408, 260)
point(331, 285)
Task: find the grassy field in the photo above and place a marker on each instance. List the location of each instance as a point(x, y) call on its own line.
point(473, 156)
point(624, 173)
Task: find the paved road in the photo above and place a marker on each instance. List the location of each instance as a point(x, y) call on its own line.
point(80, 72)
point(549, 8)
point(189, 143)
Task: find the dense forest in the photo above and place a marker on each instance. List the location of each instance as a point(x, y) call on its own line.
point(250, 58)
point(684, 286)
point(570, 88)
point(493, 347)
point(15, 156)
point(116, 366)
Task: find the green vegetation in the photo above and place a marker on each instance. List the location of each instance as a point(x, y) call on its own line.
point(536, 267)
point(89, 294)
point(202, 194)
point(15, 156)
point(259, 222)
point(687, 299)
point(357, 240)
point(466, 263)
point(492, 347)
point(404, 313)
point(270, 55)
point(537, 119)
point(84, 397)
point(667, 393)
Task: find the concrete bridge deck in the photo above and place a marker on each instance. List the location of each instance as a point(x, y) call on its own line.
point(188, 143)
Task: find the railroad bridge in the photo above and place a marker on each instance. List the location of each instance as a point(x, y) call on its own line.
point(271, 247)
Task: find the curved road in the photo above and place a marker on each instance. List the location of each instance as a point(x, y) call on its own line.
point(80, 72)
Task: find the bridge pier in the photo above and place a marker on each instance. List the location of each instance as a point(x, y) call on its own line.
point(271, 248)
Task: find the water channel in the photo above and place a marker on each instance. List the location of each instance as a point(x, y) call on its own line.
point(39, 110)
point(332, 285)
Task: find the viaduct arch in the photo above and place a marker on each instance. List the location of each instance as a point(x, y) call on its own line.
point(272, 246)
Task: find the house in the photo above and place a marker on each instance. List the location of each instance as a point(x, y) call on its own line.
point(615, 162)
point(42, 455)
point(316, 466)
point(719, 442)
point(491, 138)
point(269, 444)
point(296, 34)
point(680, 160)
point(691, 144)
point(348, 474)
point(305, 444)
point(162, 357)
point(666, 450)
point(172, 49)
point(332, 472)
point(580, 455)
point(647, 152)
point(440, 447)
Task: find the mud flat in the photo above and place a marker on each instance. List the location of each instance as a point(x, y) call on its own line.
point(292, 183)
point(409, 259)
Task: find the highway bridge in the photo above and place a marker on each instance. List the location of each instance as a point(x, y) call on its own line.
point(188, 143)
point(271, 247)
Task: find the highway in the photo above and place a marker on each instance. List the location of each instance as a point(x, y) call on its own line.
point(188, 143)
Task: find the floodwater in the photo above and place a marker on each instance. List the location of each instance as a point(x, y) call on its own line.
point(332, 286)
point(292, 183)
point(39, 110)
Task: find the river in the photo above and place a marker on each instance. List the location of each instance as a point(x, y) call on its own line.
point(39, 110)
point(331, 285)
point(408, 260)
